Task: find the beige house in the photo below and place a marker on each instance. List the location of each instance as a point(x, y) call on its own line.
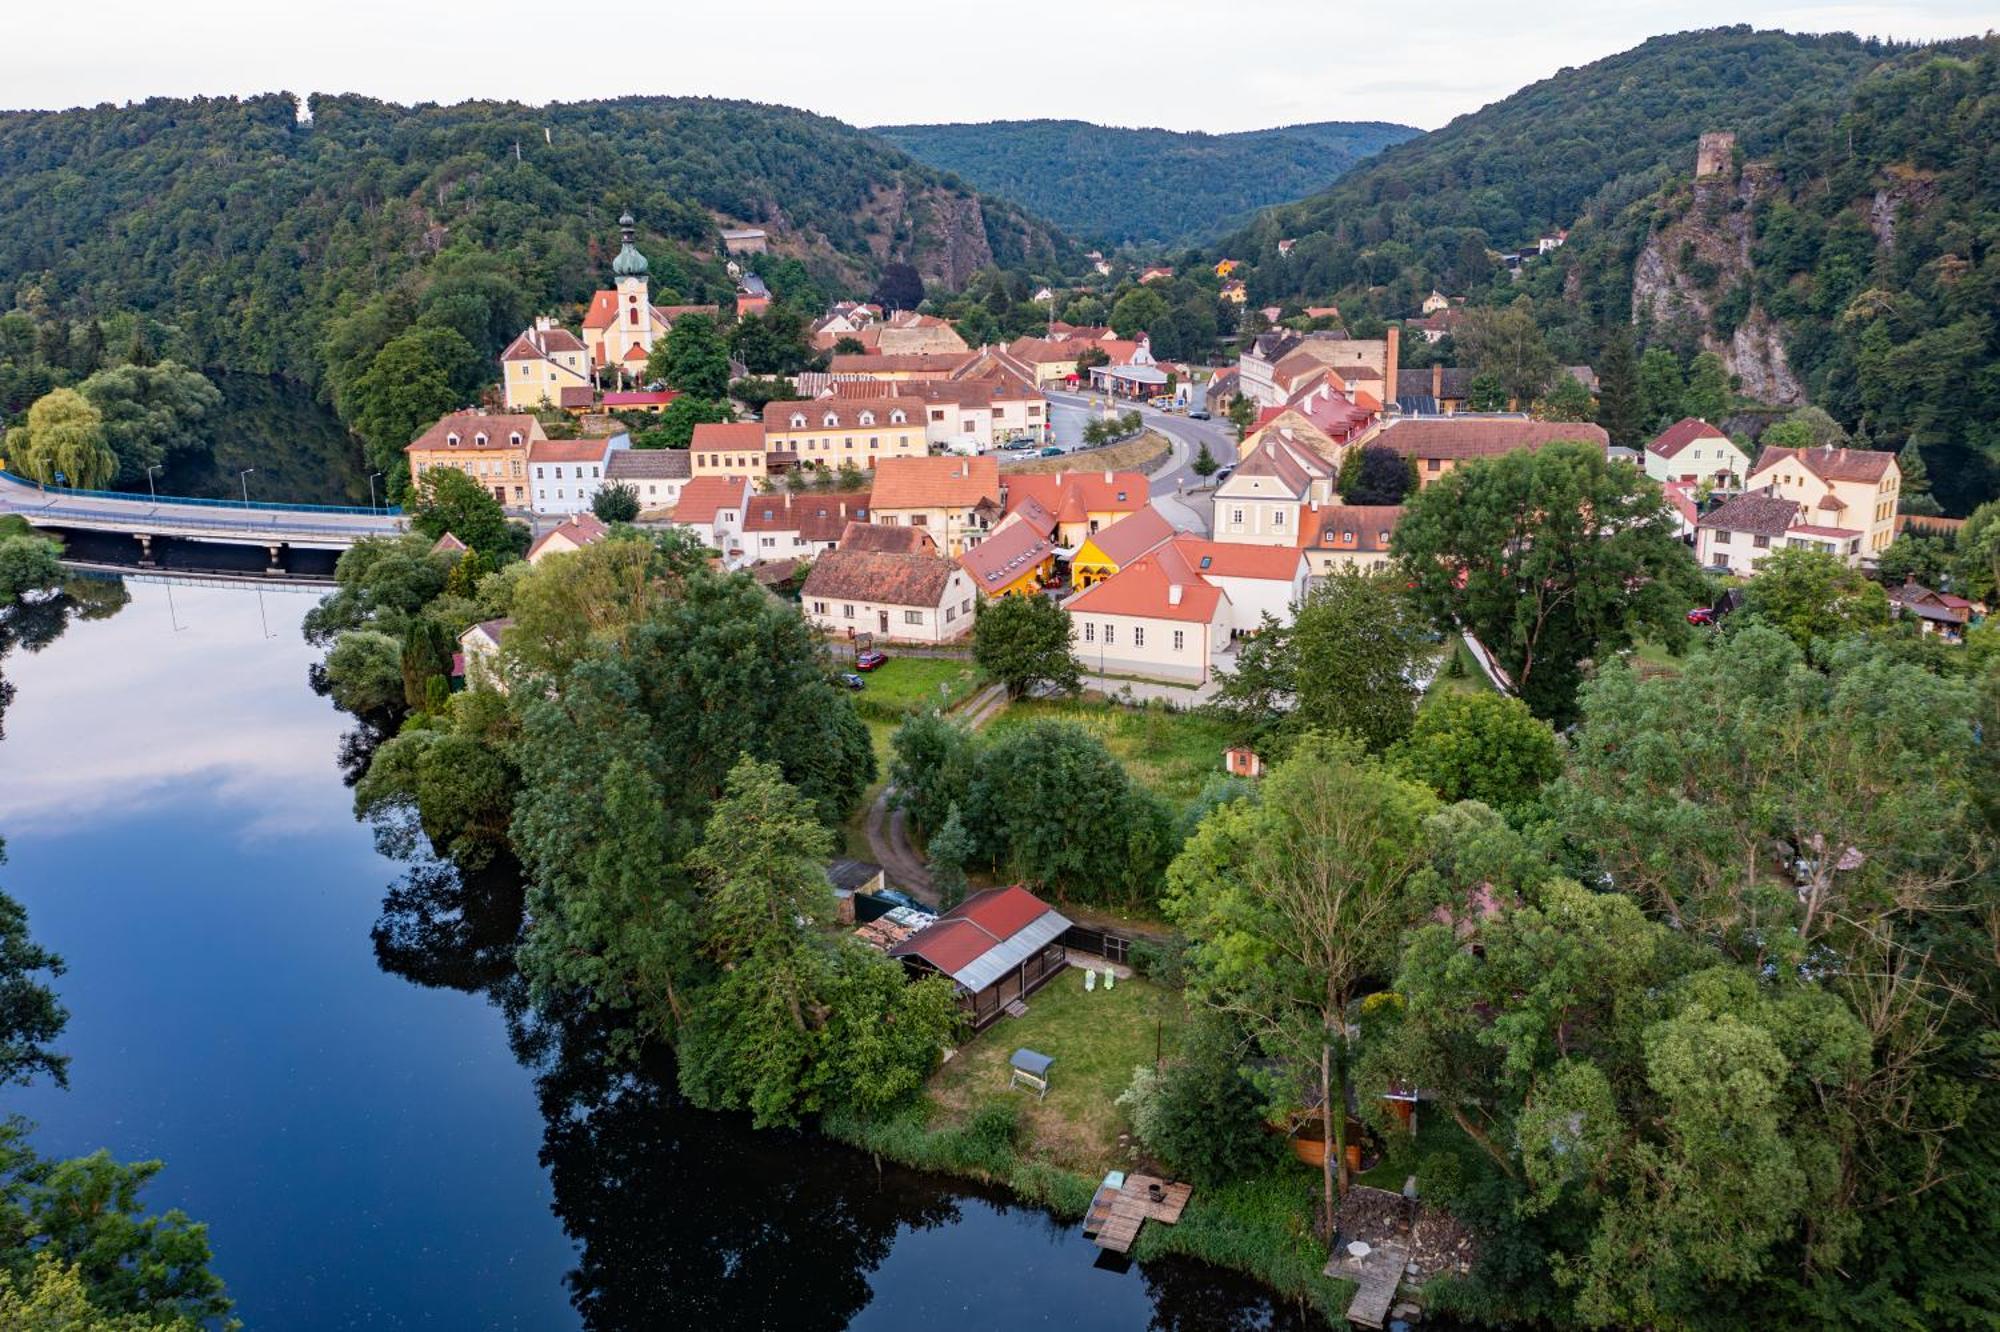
point(490, 448)
point(479, 654)
point(784, 526)
point(728, 448)
point(1264, 501)
point(1350, 536)
point(957, 500)
point(836, 432)
point(1694, 451)
point(907, 333)
point(913, 597)
point(540, 364)
point(1437, 444)
point(1847, 492)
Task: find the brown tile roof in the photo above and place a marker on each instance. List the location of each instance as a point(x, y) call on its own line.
point(1133, 535)
point(702, 497)
point(894, 540)
point(1830, 464)
point(649, 465)
point(842, 413)
point(1003, 557)
point(1481, 436)
point(729, 436)
point(1763, 515)
point(935, 483)
point(1073, 496)
point(1680, 434)
point(1361, 528)
point(581, 529)
point(539, 343)
point(574, 396)
point(1149, 586)
point(939, 363)
point(447, 545)
point(568, 450)
point(815, 517)
point(470, 426)
point(1235, 559)
point(886, 577)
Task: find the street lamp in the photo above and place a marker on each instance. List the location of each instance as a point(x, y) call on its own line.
point(150, 488)
point(244, 477)
point(371, 491)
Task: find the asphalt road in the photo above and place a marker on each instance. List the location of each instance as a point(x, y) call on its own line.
point(1177, 491)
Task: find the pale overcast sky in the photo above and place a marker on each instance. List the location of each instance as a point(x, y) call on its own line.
point(1175, 63)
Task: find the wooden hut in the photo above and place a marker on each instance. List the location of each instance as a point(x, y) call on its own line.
point(998, 947)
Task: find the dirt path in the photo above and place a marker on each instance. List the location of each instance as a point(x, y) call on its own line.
point(888, 829)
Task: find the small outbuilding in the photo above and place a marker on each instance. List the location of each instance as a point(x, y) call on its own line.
point(998, 947)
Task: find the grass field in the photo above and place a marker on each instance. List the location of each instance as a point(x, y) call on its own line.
point(1097, 1039)
point(1173, 753)
point(1131, 456)
point(1472, 681)
point(902, 685)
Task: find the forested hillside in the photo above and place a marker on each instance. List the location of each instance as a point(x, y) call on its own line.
point(252, 229)
point(1144, 186)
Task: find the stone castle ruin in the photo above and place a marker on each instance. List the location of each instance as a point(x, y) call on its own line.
point(1715, 155)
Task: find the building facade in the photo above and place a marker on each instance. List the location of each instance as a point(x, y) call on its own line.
point(491, 448)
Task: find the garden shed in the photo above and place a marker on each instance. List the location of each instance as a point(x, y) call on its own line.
point(998, 947)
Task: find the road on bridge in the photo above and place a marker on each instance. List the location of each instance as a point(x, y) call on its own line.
point(328, 528)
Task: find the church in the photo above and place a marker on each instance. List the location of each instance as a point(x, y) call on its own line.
point(623, 324)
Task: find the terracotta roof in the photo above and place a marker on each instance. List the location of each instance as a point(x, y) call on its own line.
point(839, 413)
point(702, 497)
point(577, 396)
point(1133, 535)
point(886, 577)
point(603, 312)
point(649, 465)
point(1682, 433)
point(815, 517)
point(568, 450)
point(538, 344)
point(471, 426)
point(1481, 436)
point(894, 540)
point(1146, 587)
point(941, 363)
point(1235, 559)
point(935, 483)
point(1763, 515)
point(1836, 533)
point(1361, 528)
point(640, 398)
point(579, 529)
point(736, 436)
point(1073, 496)
point(1829, 464)
point(1005, 556)
point(1041, 351)
point(447, 545)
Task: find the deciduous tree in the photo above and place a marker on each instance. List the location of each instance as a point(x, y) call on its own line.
point(693, 358)
point(62, 442)
point(1024, 642)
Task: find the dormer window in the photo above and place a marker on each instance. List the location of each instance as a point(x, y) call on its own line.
point(798, 421)
point(898, 417)
point(452, 439)
point(868, 418)
point(479, 440)
point(515, 439)
point(831, 420)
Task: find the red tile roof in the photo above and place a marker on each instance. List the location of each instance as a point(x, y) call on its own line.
point(938, 363)
point(815, 517)
point(703, 496)
point(568, 450)
point(1073, 496)
point(1681, 434)
point(581, 529)
point(916, 579)
point(1146, 587)
point(843, 413)
point(540, 343)
point(477, 430)
point(1234, 559)
point(1133, 535)
point(1830, 464)
point(640, 398)
point(1360, 528)
point(895, 540)
point(1463, 437)
point(732, 436)
point(935, 483)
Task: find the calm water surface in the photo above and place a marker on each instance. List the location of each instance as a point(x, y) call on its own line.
point(329, 1052)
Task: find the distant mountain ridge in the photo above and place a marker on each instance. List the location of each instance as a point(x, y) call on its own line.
point(1114, 186)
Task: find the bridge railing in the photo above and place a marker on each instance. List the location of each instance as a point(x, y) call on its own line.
point(250, 524)
point(384, 511)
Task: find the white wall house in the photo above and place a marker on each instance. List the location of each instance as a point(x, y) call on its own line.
point(564, 475)
point(890, 596)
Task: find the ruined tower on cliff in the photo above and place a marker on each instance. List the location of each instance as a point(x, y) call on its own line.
point(1715, 155)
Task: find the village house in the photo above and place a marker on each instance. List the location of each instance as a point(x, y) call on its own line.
point(1279, 362)
point(712, 508)
point(1440, 390)
point(1350, 536)
point(783, 525)
point(745, 240)
point(1264, 500)
point(834, 432)
point(623, 323)
point(571, 534)
point(966, 415)
point(652, 401)
point(566, 474)
point(905, 366)
point(1694, 451)
point(1081, 503)
point(490, 448)
point(898, 597)
point(957, 500)
point(1255, 580)
point(1157, 618)
point(1850, 493)
point(906, 333)
point(1111, 548)
point(753, 298)
point(892, 540)
point(655, 475)
point(1739, 533)
point(543, 363)
point(1440, 443)
point(478, 658)
point(730, 448)
point(1938, 613)
point(998, 947)
point(1017, 558)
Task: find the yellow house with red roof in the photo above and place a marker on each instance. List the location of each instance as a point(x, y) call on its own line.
point(1114, 547)
point(1082, 503)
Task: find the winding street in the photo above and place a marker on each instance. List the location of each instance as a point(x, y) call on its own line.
point(1175, 486)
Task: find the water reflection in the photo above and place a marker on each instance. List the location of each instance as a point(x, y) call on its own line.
point(32, 624)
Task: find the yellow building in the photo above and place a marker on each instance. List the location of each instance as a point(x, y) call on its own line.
point(1111, 549)
point(542, 365)
point(623, 324)
point(492, 449)
point(1013, 561)
point(734, 448)
point(1855, 491)
point(836, 432)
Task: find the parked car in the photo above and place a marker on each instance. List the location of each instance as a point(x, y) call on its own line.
point(852, 681)
point(1701, 615)
point(1052, 451)
point(1224, 473)
point(1018, 455)
point(1198, 414)
point(870, 660)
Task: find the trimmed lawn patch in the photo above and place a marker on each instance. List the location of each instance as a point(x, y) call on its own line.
point(1097, 1039)
point(903, 685)
point(1471, 681)
point(1173, 753)
point(1134, 455)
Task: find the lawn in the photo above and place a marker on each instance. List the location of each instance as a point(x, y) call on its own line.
point(1649, 658)
point(1172, 753)
point(1472, 680)
point(1097, 1039)
point(902, 685)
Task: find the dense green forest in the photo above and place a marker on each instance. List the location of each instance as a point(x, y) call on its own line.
point(1116, 186)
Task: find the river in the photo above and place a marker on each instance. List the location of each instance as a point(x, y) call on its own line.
point(329, 1051)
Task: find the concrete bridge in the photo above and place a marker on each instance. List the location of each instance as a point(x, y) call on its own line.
point(147, 519)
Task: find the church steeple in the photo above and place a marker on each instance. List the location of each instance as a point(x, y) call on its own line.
point(629, 263)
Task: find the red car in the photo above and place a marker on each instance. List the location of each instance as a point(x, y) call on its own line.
point(869, 660)
point(1701, 615)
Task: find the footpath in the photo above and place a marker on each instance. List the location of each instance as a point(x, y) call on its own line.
point(888, 828)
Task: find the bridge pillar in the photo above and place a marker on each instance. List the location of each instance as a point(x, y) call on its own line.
point(145, 540)
point(277, 559)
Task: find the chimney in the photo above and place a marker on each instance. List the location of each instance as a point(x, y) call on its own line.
point(1173, 594)
point(1437, 381)
point(1107, 476)
point(1395, 340)
point(544, 323)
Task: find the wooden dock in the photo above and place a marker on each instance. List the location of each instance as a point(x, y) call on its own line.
point(1378, 1275)
point(1116, 1213)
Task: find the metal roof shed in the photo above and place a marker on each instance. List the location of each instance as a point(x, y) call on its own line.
point(998, 946)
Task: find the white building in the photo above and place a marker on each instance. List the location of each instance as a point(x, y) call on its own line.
point(1264, 501)
point(564, 475)
point(656, 475)
point(889, 596)
point(1694, 451)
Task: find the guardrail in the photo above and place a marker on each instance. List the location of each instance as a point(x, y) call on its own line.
point(127, 496)
point(244, 524)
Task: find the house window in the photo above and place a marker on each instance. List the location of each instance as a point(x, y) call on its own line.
point(950, 614)
point(1089, 632)
point(452, 439)
point(1432, 464)
point(920, 519)
point(1761, 542)
point(897, 417)
point(1139, 636)
point(966, 605)
point(868, 418)
point(913, 617)
point(1722, 538)
point(479, 440)
point(768, 542)
point(819, 608)
point(1180, 639)
point(798, 421)
point(830, 421)
point(515, 439)
point(1278, 518)
point(1236, 517)
point(1110, 634)
point(847, 610)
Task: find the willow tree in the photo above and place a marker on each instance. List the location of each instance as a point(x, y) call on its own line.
point(62, 442)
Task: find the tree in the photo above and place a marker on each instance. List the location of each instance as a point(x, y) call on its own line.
point(380, 582)
point(932, 768)
point(1242, 414)
point(1292, 901)
point(772, 343)
point(1806, 428)
point(1024, 642)
point(62, 442)
point(950, 849)
point(1620, 408)
point(417, 377)
point(1815, 598)
point(1915, 493)
point(1661, 388)
point(1549, 557)
point(848, 345)
point(1479, 746)
point(1136, 311)
point(569, 604)
point(1375, 474)
point(1202, 1114)
point(30, 1015)
point(1347, 664)
point(151, 412)
point(758, 393)
point(693, 358)
point(617, 502)
point(900, 287)
point(1708, 389)
point(1569, 400)
point(1486, 393)
point(448, 500)
point(27, 564)
point(426, 654)
point(364, 674)
point(677, 422)
point(1505, 345)
point(1204, 464)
